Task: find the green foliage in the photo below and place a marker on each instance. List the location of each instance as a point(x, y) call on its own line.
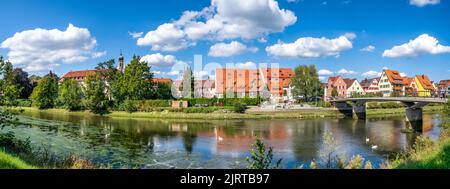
point(240, 108)
point(261, 158)
point(129, 106)
point(135, 83)
point(10, 95)
point(45, 93)
point(163, 91)
point(96, 99)
point(334, 92)
point(6, 118)
point(306, 82)
point(148, 105)
point(24, 103)
point(22, 82)
point(223, 101)
point(384, 105)
point(70, 95)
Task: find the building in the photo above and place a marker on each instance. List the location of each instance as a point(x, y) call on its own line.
point(442, 87)
point(409, 86)
point(391, 83)
point(166, 81)
point(425, 87)
point(79, 76)
point(205, 88)
point(271, 82)
point(335, 83)
point(353, 88)
point(370, 85)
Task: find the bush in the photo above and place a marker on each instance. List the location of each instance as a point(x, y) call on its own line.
point(24, 103)
point(149, 105)
point(129, 106)
point(240, 108)
point(224, 101)
point(384, 105)
point(261, 157)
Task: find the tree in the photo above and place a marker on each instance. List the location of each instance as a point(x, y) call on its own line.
point(21, 80)
point(334, 92)
point(8, 91)
point(163, 91)
point(135, 83)
point(110, 74)
point(96, 99)
point(70, 95)
point(187, 86)
point(46, 92)
point(306, 82)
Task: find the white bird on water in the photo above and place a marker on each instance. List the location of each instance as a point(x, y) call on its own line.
point(367, 140)
point(220, 139)
point(374, 147)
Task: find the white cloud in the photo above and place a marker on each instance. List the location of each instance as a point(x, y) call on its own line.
point(136, 35)
point(173, 73)
point(403, 74)
point(309, 47)
point(322, 78)
point(385, 68)
point(369, 48)
point(166, 37)
point(424, 44)
point(246, 65)
point(346, 72)
point(422, 3)
point(372, 74)
point(325, 72)
point(350, 36)
point(160, 60)
point(229, 49)
point(39, 49)
point(224, 19)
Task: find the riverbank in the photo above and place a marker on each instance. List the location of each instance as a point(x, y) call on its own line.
point(250, 115)
point(10, 162)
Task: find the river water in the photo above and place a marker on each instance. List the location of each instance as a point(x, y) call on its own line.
point(131, 143)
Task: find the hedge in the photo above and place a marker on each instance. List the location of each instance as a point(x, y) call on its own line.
point(224, 101)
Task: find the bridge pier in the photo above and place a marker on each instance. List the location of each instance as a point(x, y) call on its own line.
point(359, 110)
point(414, 119)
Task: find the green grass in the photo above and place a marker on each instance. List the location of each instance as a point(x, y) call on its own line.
point(10, 162)
point(436, 157)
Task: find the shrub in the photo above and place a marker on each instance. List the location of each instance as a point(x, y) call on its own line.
point(239, 108)
point(149, 105)
point(261, 158)
point(223, 101)
point(24, 103)
point(129, 106)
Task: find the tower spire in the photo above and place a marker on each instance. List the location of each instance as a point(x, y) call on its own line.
point(120, 68)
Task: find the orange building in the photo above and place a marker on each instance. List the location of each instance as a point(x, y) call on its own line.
point(253, 82)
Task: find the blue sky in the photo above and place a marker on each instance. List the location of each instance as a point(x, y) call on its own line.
point(329, 34)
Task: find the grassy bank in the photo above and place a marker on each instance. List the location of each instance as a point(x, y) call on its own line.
point(10, 162)
point(289, 114)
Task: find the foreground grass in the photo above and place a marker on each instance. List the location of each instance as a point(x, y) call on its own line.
point(10, 162)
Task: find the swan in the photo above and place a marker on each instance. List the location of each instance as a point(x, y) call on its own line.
point(374, 147)
point(220, 139)
point(367, 140)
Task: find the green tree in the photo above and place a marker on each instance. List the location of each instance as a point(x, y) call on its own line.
point(163, 91)
point(187, 86)
point(9, 92)
point(110, 74)
point(46, 92)
point(334, 92)
point(22, 82)
point(96, 99)
point(135, 83)
point(70, 95)
point(306, 82)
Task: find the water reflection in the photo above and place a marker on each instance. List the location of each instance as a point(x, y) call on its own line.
point(217, 144)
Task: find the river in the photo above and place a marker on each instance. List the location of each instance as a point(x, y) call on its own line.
point(131, 143)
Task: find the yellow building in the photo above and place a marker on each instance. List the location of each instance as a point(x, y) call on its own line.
point(424, 86)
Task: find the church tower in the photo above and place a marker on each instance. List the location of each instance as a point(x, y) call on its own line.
point(121, 62)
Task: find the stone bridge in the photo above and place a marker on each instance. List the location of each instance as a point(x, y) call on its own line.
point(413, 105)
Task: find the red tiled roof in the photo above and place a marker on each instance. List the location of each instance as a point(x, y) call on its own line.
point(394, 77)
point(162, 80)
point(407, 81)
point(425, 81)
point(349, 82)
point(81, 73)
